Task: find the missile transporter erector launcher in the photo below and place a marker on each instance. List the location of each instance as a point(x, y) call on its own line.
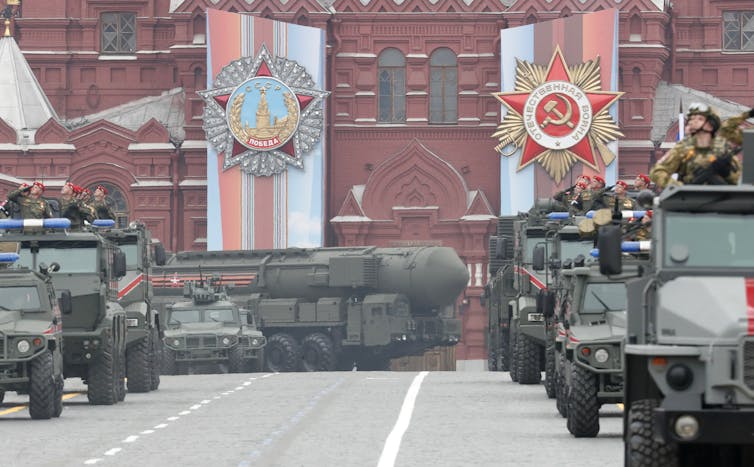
point(31, 340)
point(94, 333)
point(325, 308)
point(143, 345)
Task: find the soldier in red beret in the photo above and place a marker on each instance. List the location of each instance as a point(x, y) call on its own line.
point(101, 204)
point(642, 182)
point(30, 201)
point(71, 207)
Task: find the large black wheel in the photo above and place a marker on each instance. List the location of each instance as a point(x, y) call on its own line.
point(641, 448)
point(235, 359)
point(2, 396)
point(317, 353)
point(155, 360)
point(42, 387)
point(528, 360)
point(583, 406)
point(504, 359)
point(120, 376)
point(513, 345)
point(102, 376)
point(282, 353)
point(138, 366)
point(561, 389)
point(169, 366)
point(58, 397)
point(550, 386)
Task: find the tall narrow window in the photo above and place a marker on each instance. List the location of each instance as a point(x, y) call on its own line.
point(391, 73)
point(118, 32)
point(738, 30)
point(443, 87)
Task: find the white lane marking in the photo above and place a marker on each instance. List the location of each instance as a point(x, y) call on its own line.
point(131, 439)
point(268, 375)
point(238, 388)
point(247, 383)
point(393, 441)
point(185, 412)
point(217, 397)
point(147, 432)
point(112, 451)
point(172, 419)
point(161, 425)
point(194, 407)
point(92, 461)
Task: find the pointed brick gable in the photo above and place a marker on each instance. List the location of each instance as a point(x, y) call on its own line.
point(7, 134)
point(479, 205)
point(152, 132)
point(415, 177)
point(351, 206)
point(51, 132)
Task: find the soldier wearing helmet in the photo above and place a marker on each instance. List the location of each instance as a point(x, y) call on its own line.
point(702, 158)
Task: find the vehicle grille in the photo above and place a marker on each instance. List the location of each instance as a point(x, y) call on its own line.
point(748, 357)
point(194, 342)
point(2, 347)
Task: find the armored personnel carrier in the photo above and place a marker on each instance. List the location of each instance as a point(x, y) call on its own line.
point(209, 330)
point(689, 353)
point(328, 308)
point(31, 340)
point(94, 334)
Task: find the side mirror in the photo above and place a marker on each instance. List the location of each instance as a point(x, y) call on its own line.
point(502, 247)
point(548, 304)
point(538, 258)
point(65, 302)
point(159, 254)
point(609, 245)
point(119, 264)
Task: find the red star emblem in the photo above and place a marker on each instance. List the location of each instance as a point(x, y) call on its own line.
point(303, 101)
point(558, 113)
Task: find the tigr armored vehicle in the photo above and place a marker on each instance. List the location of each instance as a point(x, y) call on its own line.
point(31, 340)
point(328, 308)
point(689, 365)
point(208, 329)
point(94, 334)
point(143, 344)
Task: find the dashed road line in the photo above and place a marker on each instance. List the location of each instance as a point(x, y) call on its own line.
point(393, 441)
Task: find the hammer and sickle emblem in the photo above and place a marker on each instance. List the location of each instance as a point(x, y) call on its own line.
point(551, 107)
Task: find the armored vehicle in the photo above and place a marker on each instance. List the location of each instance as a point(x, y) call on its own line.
point(209, 329)
point(143, 344)
point(328, 308)
point(94, 334)
point(689, 353)
point(31, 340)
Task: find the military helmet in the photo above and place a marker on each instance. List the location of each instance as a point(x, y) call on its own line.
point(698, 108)
point(714, 121)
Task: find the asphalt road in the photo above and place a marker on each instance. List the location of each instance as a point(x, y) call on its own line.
point(381, 419)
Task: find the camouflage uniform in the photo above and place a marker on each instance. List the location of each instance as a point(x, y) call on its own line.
point(76, 211)
point(625, 203)
point(102, 210)
point(30, 208)
point(686, 158)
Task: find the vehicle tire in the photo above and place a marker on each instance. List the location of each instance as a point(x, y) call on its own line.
point(641, 447)
point(169, 366)
point(155, 361)
point(528, 360)
point(235, 359)
point(2, 396)
point(101, 377)
point(513, 345)
point(42, 387)
point(504, 359)
point(138, 366)
point(120, 376)
point(492, 360)
point(583, 406)
point(550, 385)
point(282, 353)
point(561, 389)
point(59, 397)
point(317, 353)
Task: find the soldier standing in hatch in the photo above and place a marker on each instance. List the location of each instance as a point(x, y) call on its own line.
point(621, 197)
point(100, 205)
point(72, 208)
point(702, 158)
point(30, 201)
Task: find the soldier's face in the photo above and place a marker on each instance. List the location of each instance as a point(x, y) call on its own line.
point(639, 183)
point(35, 190)
point(620, 189)
point(98, 194)
point(696, 122)
point(66, 190)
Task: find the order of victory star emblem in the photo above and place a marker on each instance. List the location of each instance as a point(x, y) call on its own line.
point(558, 116)
point(263, 113)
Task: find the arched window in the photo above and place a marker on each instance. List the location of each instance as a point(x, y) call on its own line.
point(200, 26)
point(443, 87)
point(117, 201)
point(391, 74)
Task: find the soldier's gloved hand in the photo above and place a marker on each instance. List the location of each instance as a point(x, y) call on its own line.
point(722, 166)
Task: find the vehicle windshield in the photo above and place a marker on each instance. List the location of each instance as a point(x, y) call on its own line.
point(71, 256)
point(570, 249)
point(708, 240)
point(222, 315)
point(213, 315)
point(19, 298)
point(178, 317)
point(604, 296)
point(132, 257)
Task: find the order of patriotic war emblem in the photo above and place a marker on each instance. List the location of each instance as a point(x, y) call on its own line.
point(557, 115)
point(263, 114)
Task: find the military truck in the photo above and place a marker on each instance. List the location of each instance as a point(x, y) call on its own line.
point(143, 340)
point(210, 330)
point(94, 334)
point(31, 341)
point(689, 353)
point(519, 292)
point(329, 308)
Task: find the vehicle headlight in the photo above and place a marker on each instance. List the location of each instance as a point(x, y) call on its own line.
point(23, 346)
point(226, 340)
point(255, 342)
point(601, 355)
point(176, 342)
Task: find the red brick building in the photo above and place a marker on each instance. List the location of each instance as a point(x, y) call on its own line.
point(409, 121)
